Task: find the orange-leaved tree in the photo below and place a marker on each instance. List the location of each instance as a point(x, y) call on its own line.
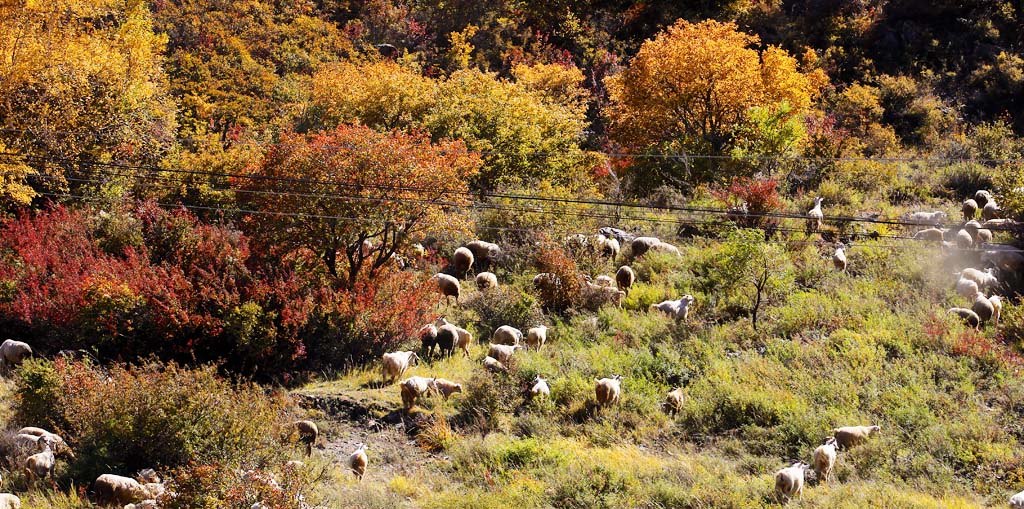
point(693, 86)
point(333, 191)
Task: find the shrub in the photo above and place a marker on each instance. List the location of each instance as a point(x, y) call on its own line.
point(568, 292)
point(505, 306)
point(149, 416)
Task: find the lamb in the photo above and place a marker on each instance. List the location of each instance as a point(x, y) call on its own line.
point(395, 364)
point(815, 216)
point(641, 245)
point(608, 390)
point(486, 253)
point(678, 309)
point(41, 464)
point(605, 281)
point(1017, 501)
point(825, 459)
point(448, 286)
point(969, 209)
point(462, 261)
point(983, 307)
point(789, 481)
point(308, 433)
point(357, 461)
point(931, 234)
point(966, 287)
point(849, 436)
point(486, 281)
point(674, 401)
point(969, 317)
point(502, 352)
point(839, 258)
point(464, 340)
point(990, 210)
point(113, 489)
point(539, 388)
point(997, 308)
point(984, 278)
point(506, 335)
point(9, 501)
point(624, 278)
point(412, 388)
point(927, 218)
point(536, 337)
point(492, 364)
point(428, 339)
point(12, 353)
point(445, 387)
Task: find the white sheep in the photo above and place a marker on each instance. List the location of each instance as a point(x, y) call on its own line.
point(12, 353)
point(984, 278)
point(486, 253)
point(677, 309)
point(927, 218)
point(849, 436)
point(536, 337)
point(60, 447)
point(1017, 501)
point(815, 216)
point(412, 389)
point(448, 286)
point(964, 240)
point(825, 459)
point(539, 388)
point(357, 461)
point(464, 340)
point(969, 317)
point(308, 433)
point(605, 281)
point(502, 352)
point(624, 278)
point(983, 307)
point(839, 258)
point(41, 464)
point(674, 401)
point(506, 335)
point(969, 209)
point(608, 390)
point(990, 210)
point(418, 251)
point(9, 501)
point(997, 308)
point(486, 281)
point(665, 247)
point(597, 295)
point(966, 287)
point(931, 234)
point(462, 261)
point(609, 247)
point(641, 245)
point(445, 387)
point(493, 364)
point(395, 364)
point(789, 481)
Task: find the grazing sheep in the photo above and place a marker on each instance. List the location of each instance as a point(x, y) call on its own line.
point(997, 308)
point(789, 482)
point(839, 258)
point(990, 210)
point(395, 364)
point(308, 433)
point(932, 234)
point(641, 245)
point(464, 340)
point(412, 388)
point(969, 317)
point(969, 209)
point(677, 309)
point(815, 216)
point(964, 239)
point(60, 447)
point(462, 261)
point(536, 337)
point(502, 352)
point(849, 436)
point(825, 459)
point(596, 295)
point(966, 288)
point(624, 278)
point(492, 364)
point(486, 253)
point(428, 339)
point(9, 501)
point(357, 461)
point(609, 247)
point(506, 335)
point(445, 387)
point(1017, 501)
point(983, 307)
point(984, 236)
point(674, 401)
point(927, 218)
point(665, 247)
point(12, 353)
point(486, 281)
point(447, 337)
point(113, 489)
point(605, 281)
point(982, 197)
point(608, 390)
point(41, 464)
point(448, 286)
point(984, 278)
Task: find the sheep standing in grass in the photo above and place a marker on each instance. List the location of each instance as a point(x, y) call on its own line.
point(969, 317)
point(536, 337)
point(9, 501)
point(789, 482)
point(966, 288)
point(506, 335)
point(815, 216)
point(485, 253)
point(597, 295)
point(677, 309)
point(428, 339)
point(624, 278)
point(641, 245)
point(502, 352)
point(665, 247)
point(983, 307)
point(839, 258)
point(12, 353)
point(539, 388)
point(448, 286)
point(60, 447)
point(990, 210)
point(395, 364)
point(609, 247)
point(674, 401)
point(969, 209)
point(445, 387)
point(463, 340)
point(605, 281)
point(982, 197)
point(486, 281)
point(1017, 501)
point(111, 489)
point(308, 433)
point(927, 218)
point(447, 337)
point(825, 459)
point(849, 436)
point(963, 239)
point(462, 261)
point(41, 464)
point(608, 390)
point(357, 461)
point(492, 364)
point(997, 308)
point(931, 234)
point(984, 278)
point(412, 388)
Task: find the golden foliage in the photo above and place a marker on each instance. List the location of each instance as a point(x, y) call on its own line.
point(383, 95)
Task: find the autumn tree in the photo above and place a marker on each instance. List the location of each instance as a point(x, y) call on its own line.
point(330, 192)
point(692, 89)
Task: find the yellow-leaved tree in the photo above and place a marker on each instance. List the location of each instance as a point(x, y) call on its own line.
point(693, 87)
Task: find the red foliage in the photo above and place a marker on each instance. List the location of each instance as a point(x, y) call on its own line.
point(753, 196)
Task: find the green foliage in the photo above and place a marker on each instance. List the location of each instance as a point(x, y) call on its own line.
point(504, 306)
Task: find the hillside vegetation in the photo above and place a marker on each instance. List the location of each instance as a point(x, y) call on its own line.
point(216, 217)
